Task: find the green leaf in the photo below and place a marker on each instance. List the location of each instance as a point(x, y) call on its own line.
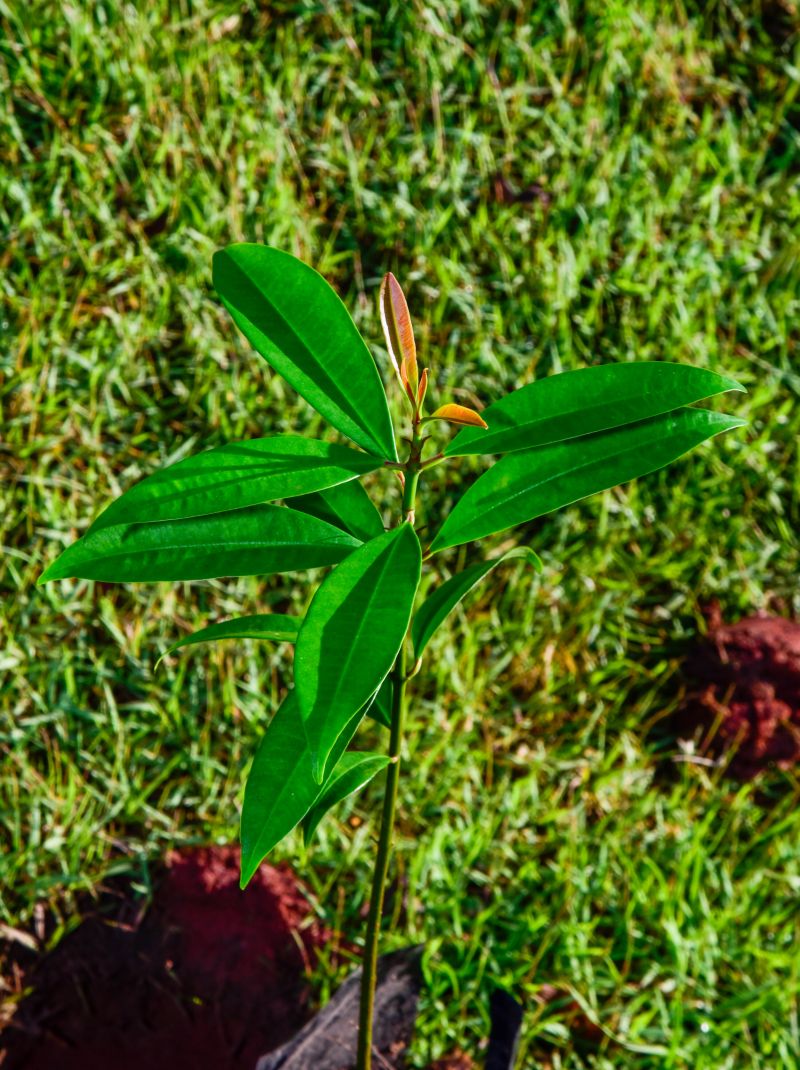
point(446, 597)
point(352, 633)
point(254, 541)
point(298, 324)
point(276, 626)
point(346, 506)
point(581, 402)
point(235, 476)
point(280, 789)
point(352, 772)
point(279, 628)
point(522, 486)
point(381, 708)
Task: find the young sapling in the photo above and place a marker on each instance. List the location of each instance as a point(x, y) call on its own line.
point(285, 503)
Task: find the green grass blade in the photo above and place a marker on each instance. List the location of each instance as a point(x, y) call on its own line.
point(352, 633)
point(254, 541)
point(446, 597)
point(522, 486)
point(299, 325)
point(581, 402)
point(350, 774)
point(237, 475)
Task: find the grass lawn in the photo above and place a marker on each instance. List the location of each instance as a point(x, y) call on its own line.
point(548, 836)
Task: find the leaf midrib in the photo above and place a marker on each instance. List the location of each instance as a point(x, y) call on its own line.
point(346, 665)
point(564, 473)
point(197, 491)
point(334, 391)
point(282, 792)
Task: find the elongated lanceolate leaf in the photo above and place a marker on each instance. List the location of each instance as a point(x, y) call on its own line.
point(399, 332)
point(237, 475)
point(278, 627)
point(446, 597)
point(352, 772)
point(581, 402)
point(280, 789)
point(352, 633)
point(298, 324)
point(525, 485)
point(246, 542)
point(459, 415)
point(346, 506)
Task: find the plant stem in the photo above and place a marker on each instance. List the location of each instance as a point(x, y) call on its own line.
point(398, 677)
point(370, 963)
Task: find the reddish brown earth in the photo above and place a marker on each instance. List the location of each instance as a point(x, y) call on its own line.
point(209, 977)
point(206, 977)
point(457, 1061)
point(746, 696)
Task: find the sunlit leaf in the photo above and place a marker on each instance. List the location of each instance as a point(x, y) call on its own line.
point(298, 324)
point(423, 388)
point(237, 475)
point(352, 633)
point(346, 506)
point(254, 541)
point(352, 772)
point(399, 332)
point(522, 486)
point(459, 415)
point(581, 402)
point(277, 627)
point(280, 789)
point(446, 597)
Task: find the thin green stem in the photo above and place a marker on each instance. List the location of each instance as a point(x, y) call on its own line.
point(370, 963)
point(399, 678)
point(409, 494)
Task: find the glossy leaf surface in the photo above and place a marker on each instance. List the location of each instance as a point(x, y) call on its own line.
point(346, 506)
point(447, 595)
point(399, 332)
point(254, 541)
point(235, 476)
point(352, 633)
point(352, 772)
point(280, 789)
point(459, 415)
point(278, 627)
point(381, 708)
point(522, 486)
point(581, 402)
point(299, 325)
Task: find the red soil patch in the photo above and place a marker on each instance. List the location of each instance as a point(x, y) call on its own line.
point(209, 977)
point(747, 697)
point(457, 1061)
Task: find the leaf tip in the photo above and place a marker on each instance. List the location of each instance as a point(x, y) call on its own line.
point(52, 572)
point(423, 388)
point(732, 384)
point(317, 767)
point(399, 333)
point(246, 874)
point(535, 561)
point(459, 415)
